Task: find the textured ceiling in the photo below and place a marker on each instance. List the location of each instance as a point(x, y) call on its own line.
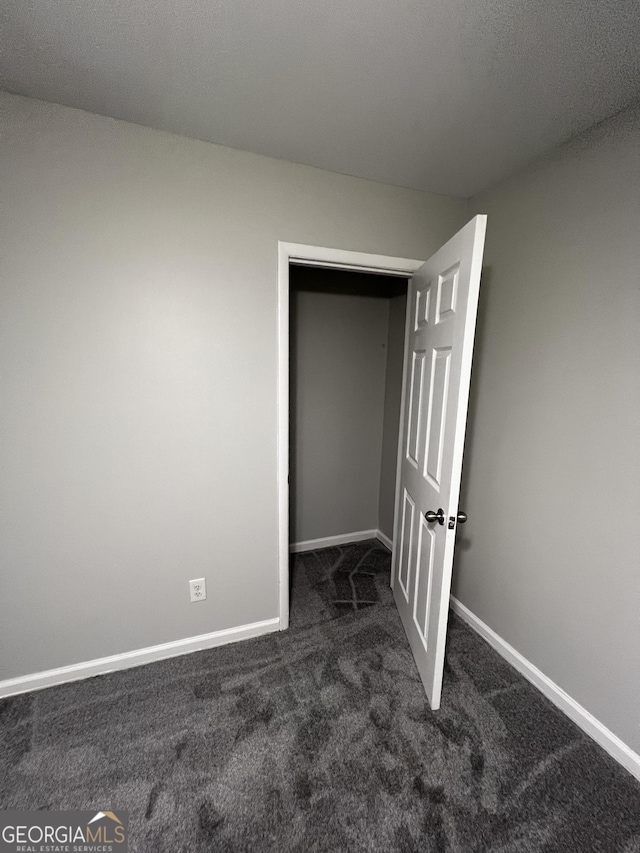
point(446, 96)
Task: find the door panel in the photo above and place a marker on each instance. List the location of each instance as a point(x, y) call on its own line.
point(437, 413)
point(441, 315)
point(424, 578)
point(417, 397)
point(408, 513)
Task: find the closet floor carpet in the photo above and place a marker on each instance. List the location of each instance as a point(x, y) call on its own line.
point(321, 739)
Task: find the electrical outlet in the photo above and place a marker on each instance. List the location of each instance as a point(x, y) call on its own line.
point(197, 590)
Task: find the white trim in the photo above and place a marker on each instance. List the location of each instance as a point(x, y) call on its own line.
point(341, 539)
point(345, 259)
point(587, 722)
point(310, 256)
point(113, 663)
point(283, 435)
point(384, 539)
point(326, 265)
point(329, 541)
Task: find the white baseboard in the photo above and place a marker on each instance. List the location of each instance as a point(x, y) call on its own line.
point(101, 666)
point(341, 539)
point(328, 541)
point(587, 722)
point(385, 539)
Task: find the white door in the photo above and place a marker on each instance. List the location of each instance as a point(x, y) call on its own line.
point(441, 319)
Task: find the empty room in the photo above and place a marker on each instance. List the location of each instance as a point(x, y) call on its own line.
point(319, 518)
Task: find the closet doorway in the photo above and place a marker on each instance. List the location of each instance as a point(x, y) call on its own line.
point(342, 318)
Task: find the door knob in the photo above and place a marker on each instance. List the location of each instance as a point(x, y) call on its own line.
point(462, 517)
point(432, 516)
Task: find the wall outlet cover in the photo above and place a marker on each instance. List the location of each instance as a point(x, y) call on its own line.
point(197, 590)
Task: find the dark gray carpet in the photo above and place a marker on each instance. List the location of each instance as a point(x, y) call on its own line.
point(320, 739)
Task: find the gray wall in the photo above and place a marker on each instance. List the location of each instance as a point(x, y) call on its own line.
point(139, 372)
point(550, 556)
point(392, 395)
point(338, 365)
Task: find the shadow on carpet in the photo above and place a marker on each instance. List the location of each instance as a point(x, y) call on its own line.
point(320, 739)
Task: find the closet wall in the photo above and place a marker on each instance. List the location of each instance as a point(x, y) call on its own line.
point(346, 366)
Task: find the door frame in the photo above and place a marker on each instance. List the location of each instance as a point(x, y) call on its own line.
point(312, 256)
